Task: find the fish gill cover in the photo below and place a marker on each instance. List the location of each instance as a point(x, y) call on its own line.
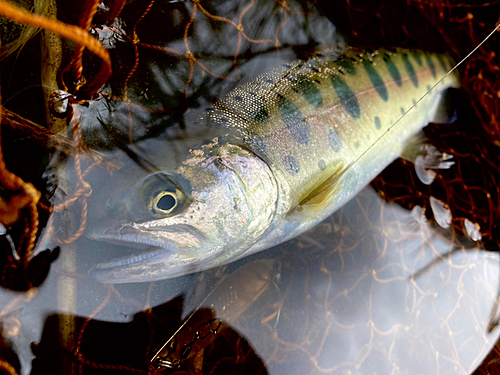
point(128, 71)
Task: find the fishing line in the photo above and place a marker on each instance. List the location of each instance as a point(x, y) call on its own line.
point(423, 96)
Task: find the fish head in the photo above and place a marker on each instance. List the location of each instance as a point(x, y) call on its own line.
point(206, 212)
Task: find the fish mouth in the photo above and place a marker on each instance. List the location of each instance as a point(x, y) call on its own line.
point(130, 259)
point(150, 259)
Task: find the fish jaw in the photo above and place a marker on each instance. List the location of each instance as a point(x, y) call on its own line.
point(231, 204)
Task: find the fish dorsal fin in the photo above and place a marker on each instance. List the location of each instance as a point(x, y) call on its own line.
point(321, 197)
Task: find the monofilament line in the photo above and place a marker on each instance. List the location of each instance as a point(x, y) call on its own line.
point(423, 96)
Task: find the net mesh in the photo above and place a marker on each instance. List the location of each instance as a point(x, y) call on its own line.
point(114, 61)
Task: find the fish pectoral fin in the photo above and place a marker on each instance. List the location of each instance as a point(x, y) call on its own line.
point(321, 197)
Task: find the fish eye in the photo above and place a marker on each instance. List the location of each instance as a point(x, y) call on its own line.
point(165, 202)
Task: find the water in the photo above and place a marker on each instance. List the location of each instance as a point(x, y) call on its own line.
point(375, 289)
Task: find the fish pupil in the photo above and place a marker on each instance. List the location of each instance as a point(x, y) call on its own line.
point(166, 203)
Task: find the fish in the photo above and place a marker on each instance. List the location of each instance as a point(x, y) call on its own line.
point(274, 156)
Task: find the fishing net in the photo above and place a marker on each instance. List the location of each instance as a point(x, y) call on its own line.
point(156, 60)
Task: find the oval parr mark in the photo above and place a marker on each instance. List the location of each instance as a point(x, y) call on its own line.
point(310, 92)
point(418, 58)
point(410, 70)
point(346, 96)
point(294, 121)
point(431, 65)
point(376, 79)
point(335, 140)
point(442, 63)
point(378, 123)
point(393, 70)
point(291, 165)
point(347, 66)
point(261, 115)
point(322, 165)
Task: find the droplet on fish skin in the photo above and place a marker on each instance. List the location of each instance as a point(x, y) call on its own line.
point(473, 230)
point(441, 211)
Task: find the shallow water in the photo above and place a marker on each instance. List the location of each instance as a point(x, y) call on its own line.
point(374, 289)
point(370, 290)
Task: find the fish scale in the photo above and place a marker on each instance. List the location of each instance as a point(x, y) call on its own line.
point(343, 109)
point(284, 151)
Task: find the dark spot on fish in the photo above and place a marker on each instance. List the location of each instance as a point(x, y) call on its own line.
point(238, 98)
point(320, 55)
point(317, 81)
point(442, 62)
point(414, 102)
point(410, 70)
point(314, 69)
point(224, 120)
point(294, 121)
point(348, 66)
point(270, 81)
point(257, 144)
point(209, 109)
point(356, 144)
point(377, 81)
point(341, 71)
point(393, 69)
point(322, 164)
point(378, 124)
point(451, 63)
point(430, 63)
point(291, 165)
point(287, 66)
point(417, 57)
point(309, 91)
point(335, 140)
point(402, 111)
point(261, 115)
point(346, 96)
point(428, 88)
